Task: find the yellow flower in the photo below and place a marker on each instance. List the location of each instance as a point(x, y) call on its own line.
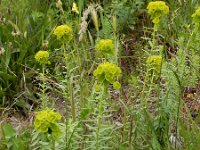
point(105, 46)
point(46, 122)
point(196, 16)
point(75, 8)
point(157, 7)
point(154, 62)
point(64, 33)
point(106, 74)
point(156, 10)
point(42, 57)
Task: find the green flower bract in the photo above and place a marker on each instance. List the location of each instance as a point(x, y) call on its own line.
point(196, 16)
point(106, 73)
point(116, 85)
point(154, 62)
point(64, 33)
point(42, 57)
point(46, 121)
point(156, 10)
point(105, 46)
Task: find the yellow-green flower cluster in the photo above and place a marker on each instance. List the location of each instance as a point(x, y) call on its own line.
point(105, 46)
point(106, 73)
point(157, 9)
point(42, 57)
point(154, 62)
point(46, 122)
point(64, 33)
point(196, 16)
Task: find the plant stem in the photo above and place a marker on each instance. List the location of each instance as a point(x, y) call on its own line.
point(143, 90)
point(54, 144)
point(72, 103)
point(99, 117)
point(150, 85)
point(65, 93)
point(131, 132)
point(154, 39)
point(97, 132)
point(44, 101)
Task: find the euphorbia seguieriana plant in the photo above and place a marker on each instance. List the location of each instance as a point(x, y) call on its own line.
point(107, 73)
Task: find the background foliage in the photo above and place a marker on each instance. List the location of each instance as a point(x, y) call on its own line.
point(147, 113)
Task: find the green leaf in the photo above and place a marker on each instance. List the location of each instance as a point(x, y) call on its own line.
point(18, 144)
point(22, 104)
point(8, 131)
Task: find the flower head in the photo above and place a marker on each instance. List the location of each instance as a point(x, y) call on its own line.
point(105, 46)
point(64, 33)
point(106, 74)
point(154, 62)
point(46, 121)
point(156, 10)
point(75, 8)
point(42, 57)
point(196, 16)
